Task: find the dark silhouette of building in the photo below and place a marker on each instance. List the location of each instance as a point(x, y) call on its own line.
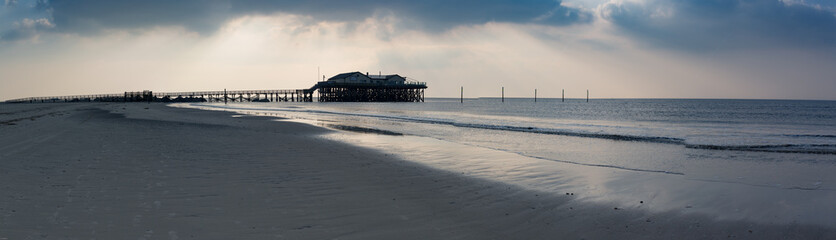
point(359, 87)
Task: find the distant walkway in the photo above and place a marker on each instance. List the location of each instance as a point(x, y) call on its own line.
point(293, 95)
point(369, 88)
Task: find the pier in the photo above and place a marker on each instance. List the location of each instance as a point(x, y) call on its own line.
point(344, 87)
point(357, 92)
point(295, 95)
point(359, 87)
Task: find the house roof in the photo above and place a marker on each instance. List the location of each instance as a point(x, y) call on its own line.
point(375, 77)
point(343, 75)
point(387, 77)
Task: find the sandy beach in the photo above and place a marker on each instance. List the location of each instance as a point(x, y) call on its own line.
point(149, 171)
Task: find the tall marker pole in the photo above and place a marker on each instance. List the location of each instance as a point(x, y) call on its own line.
point(587, 95)
point(461, 98)
point(562, 95)
point(503, 94)
point(535, 95)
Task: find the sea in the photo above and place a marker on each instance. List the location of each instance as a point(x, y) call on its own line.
point(729, 157)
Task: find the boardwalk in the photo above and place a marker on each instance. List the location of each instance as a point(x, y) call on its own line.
point(345, 87)
point(295, 95)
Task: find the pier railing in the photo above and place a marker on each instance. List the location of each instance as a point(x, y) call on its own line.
point(292, 95)
point(371, 84)
point(409, 91)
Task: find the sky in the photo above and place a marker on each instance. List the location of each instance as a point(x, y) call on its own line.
point(751, 49)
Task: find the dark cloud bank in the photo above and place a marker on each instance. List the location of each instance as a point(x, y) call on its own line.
point(207, 15)
point(678, 24)
point(720, 24)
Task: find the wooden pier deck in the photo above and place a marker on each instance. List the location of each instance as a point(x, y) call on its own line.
point(294, 95)
point(329, 91)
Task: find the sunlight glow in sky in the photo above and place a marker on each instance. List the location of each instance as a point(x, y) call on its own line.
point(774, 49)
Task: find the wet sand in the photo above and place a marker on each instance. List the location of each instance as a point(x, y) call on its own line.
point(147, 171)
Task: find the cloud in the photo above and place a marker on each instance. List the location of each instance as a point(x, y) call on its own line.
point(701, 25)
point(823, 4)
point(23, 20)
point(284, 52)
point(26, 29)
point(206, 16)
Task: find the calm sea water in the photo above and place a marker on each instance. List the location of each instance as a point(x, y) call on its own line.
point(742, 125)
point(769, 160)
point(608, 132)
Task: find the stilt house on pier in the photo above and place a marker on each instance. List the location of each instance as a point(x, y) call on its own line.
point(359, 87)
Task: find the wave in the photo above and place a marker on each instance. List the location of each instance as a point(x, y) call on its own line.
point(551, 131)
point(810, 135)
point(778, 148)
point(618, 137)
point(607, 166)
point(363, 129)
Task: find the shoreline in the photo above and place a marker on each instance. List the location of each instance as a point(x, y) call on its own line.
point(176, 173)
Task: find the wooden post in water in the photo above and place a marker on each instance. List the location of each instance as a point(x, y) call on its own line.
point(562, 95)
point(535, 95)
point(503, 94)
point(587, 95)
point(461, 98)
point(225, 95)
